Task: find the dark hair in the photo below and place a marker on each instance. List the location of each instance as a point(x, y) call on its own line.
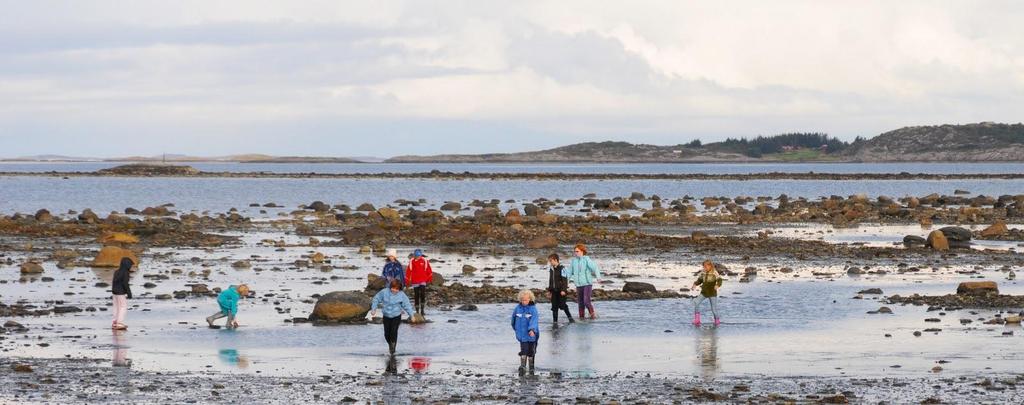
point(396, 284)
point(126, 263)
point(553, 256)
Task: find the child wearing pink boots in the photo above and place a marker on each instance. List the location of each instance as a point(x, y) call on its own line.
point(709, 281)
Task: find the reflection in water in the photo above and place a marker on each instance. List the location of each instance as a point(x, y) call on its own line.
point(120, 350)
point(707, 352)
point(419, 364)
point(232, 358)
point(395, 389)
point(580, 339)
point(391, 367)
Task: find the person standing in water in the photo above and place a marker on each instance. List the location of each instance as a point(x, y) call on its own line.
point(393, 269)
point(228, 302)
point(122, 292)
point(418, 275)
point(558, 287)
point(584, 273)
point(526, 325)
point(392, 302)
point(709, 281)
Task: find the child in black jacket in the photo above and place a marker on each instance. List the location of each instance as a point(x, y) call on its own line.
point(558, 287)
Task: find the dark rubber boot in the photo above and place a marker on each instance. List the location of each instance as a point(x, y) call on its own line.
point(391, 347)
point(522, 365)
point(531, 364)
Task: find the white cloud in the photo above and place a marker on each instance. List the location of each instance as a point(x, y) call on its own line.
point(649, 71)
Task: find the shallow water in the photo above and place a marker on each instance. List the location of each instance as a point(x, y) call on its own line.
point(780, 325)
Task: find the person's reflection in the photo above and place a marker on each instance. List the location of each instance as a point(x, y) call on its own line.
point(580, 338)
point(120, 350)
point(419, 364)
point(232, 358)
point(395, 389)
point(707, 352)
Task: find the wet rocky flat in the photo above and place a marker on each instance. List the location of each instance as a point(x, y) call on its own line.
point(824, 301)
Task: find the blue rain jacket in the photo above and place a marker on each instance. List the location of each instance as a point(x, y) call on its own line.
point(525, 319)
point(392, 304)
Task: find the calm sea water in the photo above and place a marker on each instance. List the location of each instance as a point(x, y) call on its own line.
point(668, 168)
point(105, 194)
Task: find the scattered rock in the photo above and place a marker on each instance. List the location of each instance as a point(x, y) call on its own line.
point(977, 288)
point(31, 268)
point(638, 287)
point(118, 237)
point(543, 242)
point(995, 230)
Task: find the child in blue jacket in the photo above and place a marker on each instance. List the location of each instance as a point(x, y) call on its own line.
point(526, 324)
point(228, 302)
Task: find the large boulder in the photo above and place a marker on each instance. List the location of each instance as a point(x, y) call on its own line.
point(977, 288)
point(638, 287)
point(997, 229)
point(543, 242)
point(31, 268)
point(110, 256)
point(341, 306)
point(914, 240)
point(956, 233)
point(937, 240)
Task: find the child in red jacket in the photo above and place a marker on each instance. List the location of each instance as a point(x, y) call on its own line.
point(418, 275)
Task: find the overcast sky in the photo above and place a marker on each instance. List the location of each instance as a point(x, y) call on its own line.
point(383, 78)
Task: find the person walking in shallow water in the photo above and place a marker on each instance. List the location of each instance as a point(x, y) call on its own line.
point(122, 292)
point(709, 281)
point(392, 302)
point(526, 325)
point(584, 273)
point(418, 275)
point(558, 287)
point(393, 269)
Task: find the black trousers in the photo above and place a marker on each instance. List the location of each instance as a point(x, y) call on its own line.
point(558, 302)
point(420, 298)
point(391, 328)
point(528, 348)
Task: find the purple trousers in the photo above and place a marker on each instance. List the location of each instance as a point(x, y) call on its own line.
point(583, 294)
